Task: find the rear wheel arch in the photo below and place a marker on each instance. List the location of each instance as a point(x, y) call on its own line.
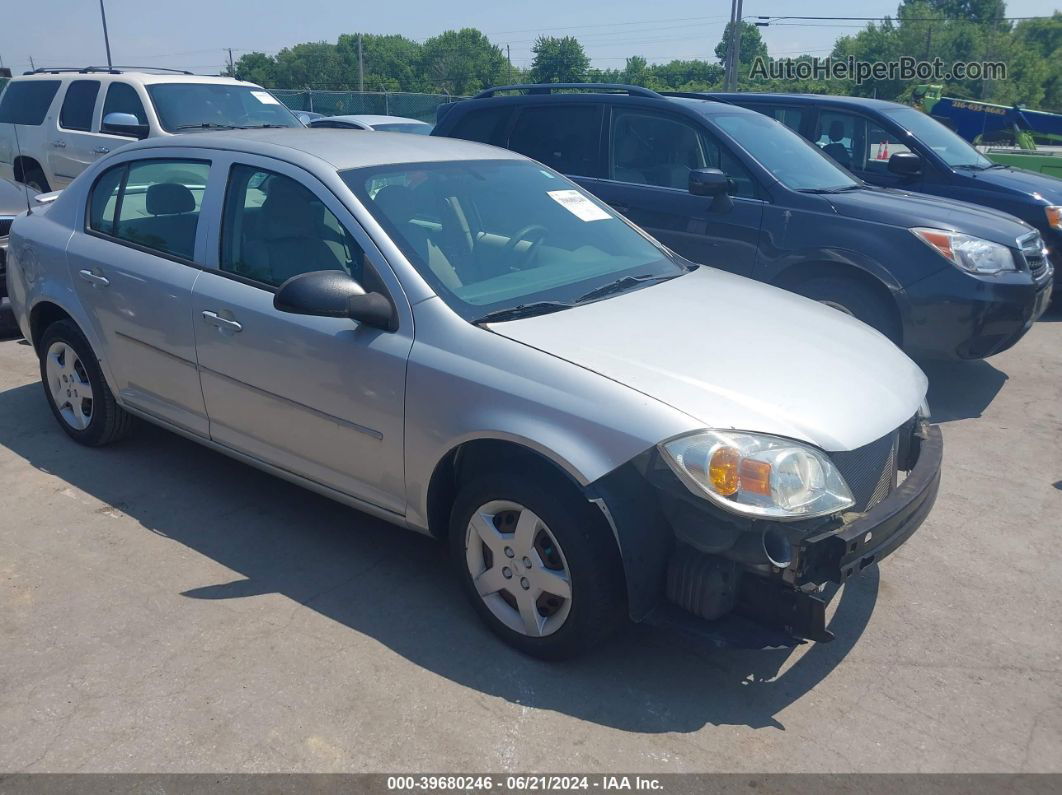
point(44, 314)
point(26, 167)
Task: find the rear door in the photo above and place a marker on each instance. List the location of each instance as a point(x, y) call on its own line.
point(650, 155)
point(134, 268)
point(71, 150)
point(320, 397)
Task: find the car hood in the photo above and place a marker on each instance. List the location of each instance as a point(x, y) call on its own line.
point(901, 208)
point(734, 353)
point(1017, 180)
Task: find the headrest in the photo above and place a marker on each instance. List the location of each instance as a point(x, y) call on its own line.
point(169, 198)
point(289, 211)
point(836, 130)
point(397, 202)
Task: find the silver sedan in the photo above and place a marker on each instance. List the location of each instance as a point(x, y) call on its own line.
point(463, 342)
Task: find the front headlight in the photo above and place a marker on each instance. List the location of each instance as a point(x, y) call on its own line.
point(967, 252)
point(758, 475)
point(1054, 216)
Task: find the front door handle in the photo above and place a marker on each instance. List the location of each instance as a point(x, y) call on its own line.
point(214, 319)
point(102, 150)
point(94, 278)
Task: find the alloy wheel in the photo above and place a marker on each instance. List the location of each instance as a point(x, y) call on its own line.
point(518, 568)
point(69, 385)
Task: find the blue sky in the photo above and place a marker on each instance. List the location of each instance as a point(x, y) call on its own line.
point(192, 34)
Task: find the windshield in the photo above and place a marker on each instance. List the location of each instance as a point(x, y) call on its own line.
point(183, 106)
point(948, 146)
point(793, 161)
point(491, 235)
point(406, 127)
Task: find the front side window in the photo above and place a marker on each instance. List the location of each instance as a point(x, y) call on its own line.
point(122, 98)
point(494, 234)
point(789, 158)
point(564, 137)
point(951, 148)
point(793, 118)
point(151, 203)
point(880, 146)
point(78, 104)
point(27, 101)
point(185, 106)
point(274, 228)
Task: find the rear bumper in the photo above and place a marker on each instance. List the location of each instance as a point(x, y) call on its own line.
point(952, 314)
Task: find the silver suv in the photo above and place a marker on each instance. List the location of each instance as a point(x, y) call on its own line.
point(463, 342)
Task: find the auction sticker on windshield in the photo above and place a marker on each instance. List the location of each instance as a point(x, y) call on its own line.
point(578, 205)
point(265, 97)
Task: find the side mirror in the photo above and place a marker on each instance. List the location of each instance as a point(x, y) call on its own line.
point(905, 164)
point(124, 124)
point(712, 182)
point(334, 294)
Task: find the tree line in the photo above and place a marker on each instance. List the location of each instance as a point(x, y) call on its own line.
point(461, 62)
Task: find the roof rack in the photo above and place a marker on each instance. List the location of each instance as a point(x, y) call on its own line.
point(114, 70)
point(709, 97)
point(549, 88)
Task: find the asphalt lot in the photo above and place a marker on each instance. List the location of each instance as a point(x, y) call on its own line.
point(163, 608)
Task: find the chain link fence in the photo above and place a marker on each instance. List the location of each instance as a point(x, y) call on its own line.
point(390, 103)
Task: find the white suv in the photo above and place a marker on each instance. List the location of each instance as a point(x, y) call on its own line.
point(55, 122)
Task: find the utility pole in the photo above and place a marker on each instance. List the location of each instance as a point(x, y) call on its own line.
point(733, 51)
point(509, 56)
point(232, 66)
point(106, 38)
point(361, 67)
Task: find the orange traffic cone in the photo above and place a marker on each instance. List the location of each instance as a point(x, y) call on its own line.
point(883, 151)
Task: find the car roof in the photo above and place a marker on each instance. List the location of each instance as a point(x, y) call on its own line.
point(147, 78)
point(337, 148)
point(367, 118)
point(852, 103)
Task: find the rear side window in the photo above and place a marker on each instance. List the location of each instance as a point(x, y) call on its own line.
point(564, 137)
point(122, 98)
point(27, 101)
point(151, 203)
point(793, 118)
point(78, 104)
point(486, 126)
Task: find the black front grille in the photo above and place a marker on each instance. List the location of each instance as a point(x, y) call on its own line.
point(1032, 249)
point(870, 471)
point(5, 226)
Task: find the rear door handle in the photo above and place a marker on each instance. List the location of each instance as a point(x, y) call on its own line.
point(101, 150)
point(214, 319)
point(94, 278)
point(59, 144)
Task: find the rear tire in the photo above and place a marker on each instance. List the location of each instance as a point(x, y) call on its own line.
point(34, 179)
point(549, 572)
point(855, 299)
point(76, 390)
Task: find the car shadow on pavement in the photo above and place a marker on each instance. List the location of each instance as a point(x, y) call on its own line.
point(396, 587)
point(960, 390)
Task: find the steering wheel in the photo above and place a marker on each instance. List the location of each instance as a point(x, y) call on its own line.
point(533, 233)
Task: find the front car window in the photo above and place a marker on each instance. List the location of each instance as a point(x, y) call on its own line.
point(490, 235)
point(793, 161)
point(274, 228)
point(122, 98)
point(948, 146)
point(182, 106)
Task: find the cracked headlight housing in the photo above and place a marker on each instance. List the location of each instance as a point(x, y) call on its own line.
point(968, 252)
point(758, 475)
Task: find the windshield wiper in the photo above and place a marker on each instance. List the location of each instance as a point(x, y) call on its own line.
point(207, 125)
point(838, 189)
point(263, 127)
point(620, 285)
point(522, 310)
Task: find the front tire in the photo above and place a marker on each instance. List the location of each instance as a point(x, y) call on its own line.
point(538, 563)
point(76, 389)
point(855, 299)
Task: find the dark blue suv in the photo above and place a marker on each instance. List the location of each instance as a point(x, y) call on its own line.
point(897, 146)
point(732, 188)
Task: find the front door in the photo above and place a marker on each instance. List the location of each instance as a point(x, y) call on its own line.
point(320, 397)
point(650, 157)
point(134, 272)
point(863, 147)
